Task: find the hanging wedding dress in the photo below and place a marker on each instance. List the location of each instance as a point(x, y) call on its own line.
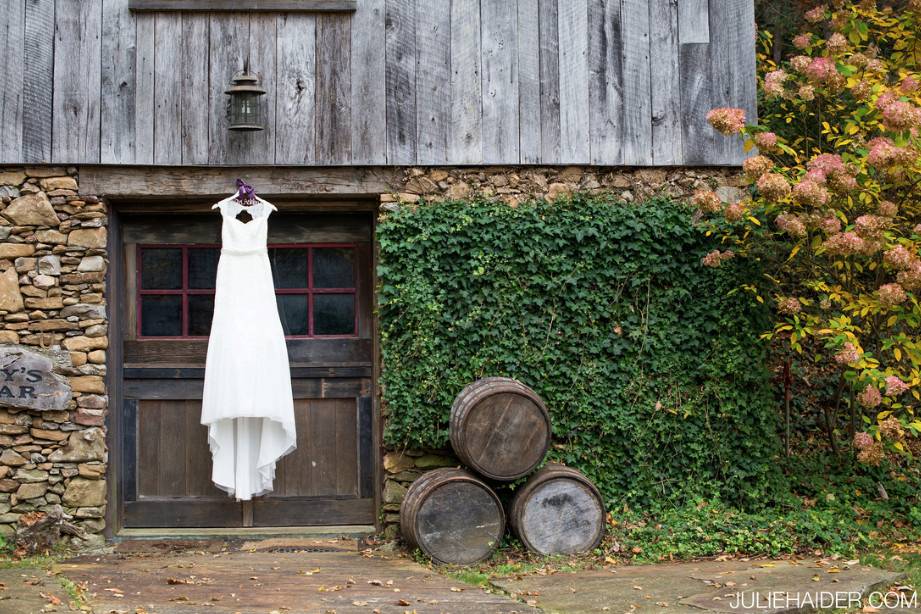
point(247, 403)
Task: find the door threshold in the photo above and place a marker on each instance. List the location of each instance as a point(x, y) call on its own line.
point(330, 531)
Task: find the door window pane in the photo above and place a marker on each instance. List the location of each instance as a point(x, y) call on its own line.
point(203, 267)
point(289, 267)
point(161, 315)
point(334, 314)
point(201, 310)
point(161, 268)
point(333, 268)
point(292, 308)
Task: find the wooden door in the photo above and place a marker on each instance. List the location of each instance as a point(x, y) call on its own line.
point(322, 271)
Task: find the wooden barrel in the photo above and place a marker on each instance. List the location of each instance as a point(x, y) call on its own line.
point(558, 511)
point(452, 517)
point(500, 428)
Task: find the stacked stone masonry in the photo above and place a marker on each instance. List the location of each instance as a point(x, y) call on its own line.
point(52, 301)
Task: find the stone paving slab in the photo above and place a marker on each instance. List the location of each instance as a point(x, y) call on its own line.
point(715, 586)
point(294, 580)
point(30, 591)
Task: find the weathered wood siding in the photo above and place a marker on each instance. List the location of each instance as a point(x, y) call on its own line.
point(396, 82)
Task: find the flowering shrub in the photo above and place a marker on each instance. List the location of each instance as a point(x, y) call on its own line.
point(833, 208)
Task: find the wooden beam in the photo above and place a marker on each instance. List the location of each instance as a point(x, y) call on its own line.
point(192, 181)
point(287, 6)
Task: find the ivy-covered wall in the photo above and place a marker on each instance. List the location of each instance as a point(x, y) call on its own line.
point(648, 361)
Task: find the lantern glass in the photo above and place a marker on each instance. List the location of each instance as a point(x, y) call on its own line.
point(246, 111)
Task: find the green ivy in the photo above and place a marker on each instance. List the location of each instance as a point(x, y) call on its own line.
point(649, 362)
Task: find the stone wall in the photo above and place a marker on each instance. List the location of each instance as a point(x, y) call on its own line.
point(52, 306)
point(515, 185)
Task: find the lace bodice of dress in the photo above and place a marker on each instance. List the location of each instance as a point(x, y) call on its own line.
point(251, 236)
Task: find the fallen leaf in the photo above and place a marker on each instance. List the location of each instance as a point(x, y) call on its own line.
point(360, 603)
point(375, 583)
point(402, 602)
point(454, 589)
point(52, 599)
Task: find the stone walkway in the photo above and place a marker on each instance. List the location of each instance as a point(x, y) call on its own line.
point(715, 586)
point(284, 576)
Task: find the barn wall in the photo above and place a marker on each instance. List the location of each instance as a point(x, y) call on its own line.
point(396, 82)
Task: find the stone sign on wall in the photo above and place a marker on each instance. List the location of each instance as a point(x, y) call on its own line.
point(27, 380)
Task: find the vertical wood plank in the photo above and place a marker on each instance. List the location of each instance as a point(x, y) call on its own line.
point(172, 449)
point(334, 96)
point(168, 70)
point(369, 95)
point(346, 465)
point(433, 73)
point(117, 103)
point(694, 21)
point(529, 81)
point(259, 145)
point(465, 139)
point(194, 93)
point(295, 138)
point(549, 82)
point(732, 71)
point(38, 82)
point(144, 101)
point(698, 139)
point(12, 48)
point(606, 87)
point(229, 36)
point(665, 83)
point(324, 458)
point(500, 81)
point(400, 49)
point(148, 447)
point(77, 73)
point(637, 107)
point(574, 82)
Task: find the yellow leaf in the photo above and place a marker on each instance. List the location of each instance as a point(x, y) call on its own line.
point(897, 353)
point(754, 220)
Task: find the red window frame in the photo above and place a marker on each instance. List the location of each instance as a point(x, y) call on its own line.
point(309, 291)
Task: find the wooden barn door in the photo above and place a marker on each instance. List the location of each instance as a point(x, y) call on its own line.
point(322, 271)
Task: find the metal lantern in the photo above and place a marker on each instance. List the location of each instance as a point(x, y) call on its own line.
point(246, 105)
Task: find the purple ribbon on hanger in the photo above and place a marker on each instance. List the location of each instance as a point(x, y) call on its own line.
point(245, 191)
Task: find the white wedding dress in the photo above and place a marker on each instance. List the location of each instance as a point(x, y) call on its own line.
point(247, 403)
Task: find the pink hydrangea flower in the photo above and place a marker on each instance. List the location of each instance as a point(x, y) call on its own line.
point(900, 115)
point(891, 295)
point(766, 141)
point(809, 192)
point(828, 163)
point(844, 244)
point(773, 186)
point(800, 62)
point(848, 354)
point(716, 258)
point(801, 41)
point(884, 153)
point(895, 386)
point(898, 257)
point(734, 212)
point(727, 120)
point(891, 428)
point(909, 85)
point(830, 224)
point(863, 440)
point(791, 225)
point(870, 397)
point(870, 226)
point(806, 92)
point(910, 278)
point(816, 14)
point(887, 208)
point(706, 200)
point(836, 43)
point(789, 305)
point(756, 166)
point(820, 70)
point(773, 82)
